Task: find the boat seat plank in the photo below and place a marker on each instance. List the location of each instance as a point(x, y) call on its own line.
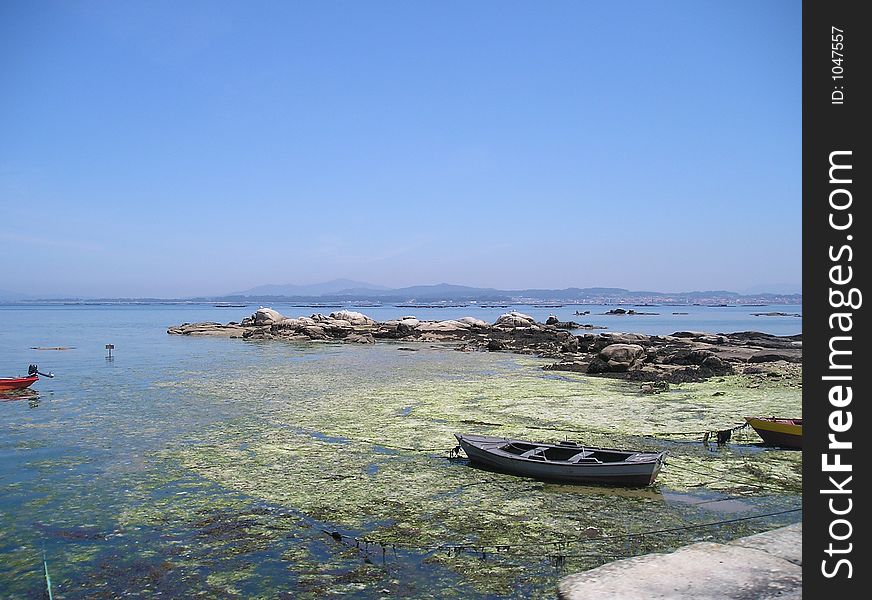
point(530, 453)
point(583, 456)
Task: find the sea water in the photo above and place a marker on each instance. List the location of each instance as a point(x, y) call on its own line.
point(233, 468)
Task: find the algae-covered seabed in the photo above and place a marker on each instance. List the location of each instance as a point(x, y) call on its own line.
point(307, 470)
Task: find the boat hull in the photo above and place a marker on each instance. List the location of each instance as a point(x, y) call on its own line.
point(782, 433)
point(484, 451)
point(8, 384)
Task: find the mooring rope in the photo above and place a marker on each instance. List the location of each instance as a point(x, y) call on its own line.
point(391, 447)
point(654, 434)
point(722, 435)
point(719, 474)
point(715, 500)
point(709, 432)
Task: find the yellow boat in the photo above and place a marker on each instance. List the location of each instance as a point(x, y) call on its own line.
point(785, 433)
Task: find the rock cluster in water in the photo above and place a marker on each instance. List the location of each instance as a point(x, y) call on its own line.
point(682, 356)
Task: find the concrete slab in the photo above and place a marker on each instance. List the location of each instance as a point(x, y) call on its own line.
point(785, 542)
point(760, 567)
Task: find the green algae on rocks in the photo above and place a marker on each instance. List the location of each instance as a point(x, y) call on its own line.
point(362, 445)
point(282, 468)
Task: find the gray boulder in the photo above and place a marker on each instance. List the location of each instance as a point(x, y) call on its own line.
point(618, 357)
point(360, 338)
point(355, 318)
point(439, 326)
point(570, 344)
point(473, 322)
point(496, 345)
point(315, 332)
point(267, 316)
point(514, 319)
point(776, 355)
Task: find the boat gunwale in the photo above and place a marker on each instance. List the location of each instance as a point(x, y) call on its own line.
point(777, 425)
point(779, 433)
point(497, 443)
point(29, 379)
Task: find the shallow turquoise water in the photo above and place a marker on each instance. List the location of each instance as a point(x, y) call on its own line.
point(212, 466)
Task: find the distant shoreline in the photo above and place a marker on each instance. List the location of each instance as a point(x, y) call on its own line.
point(349, 293)
point(371, 304)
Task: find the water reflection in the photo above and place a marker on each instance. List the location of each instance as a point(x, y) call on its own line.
point(32, 397)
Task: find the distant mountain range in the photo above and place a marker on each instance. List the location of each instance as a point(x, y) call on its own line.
point(347, 291)
point(344, 290)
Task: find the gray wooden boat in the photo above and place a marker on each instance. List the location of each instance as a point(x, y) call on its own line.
point(566, 462)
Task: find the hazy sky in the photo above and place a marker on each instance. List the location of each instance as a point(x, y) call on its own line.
point(184, 148)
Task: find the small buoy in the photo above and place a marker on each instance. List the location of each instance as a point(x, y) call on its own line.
point(109, 348)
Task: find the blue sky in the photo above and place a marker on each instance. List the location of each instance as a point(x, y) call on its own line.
point(185, 148)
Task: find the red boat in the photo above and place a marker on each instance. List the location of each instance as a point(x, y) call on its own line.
point(10, 384)
point(7, 384)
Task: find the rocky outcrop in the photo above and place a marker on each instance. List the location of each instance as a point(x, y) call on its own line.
point(232, 330)
point(682, 356)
